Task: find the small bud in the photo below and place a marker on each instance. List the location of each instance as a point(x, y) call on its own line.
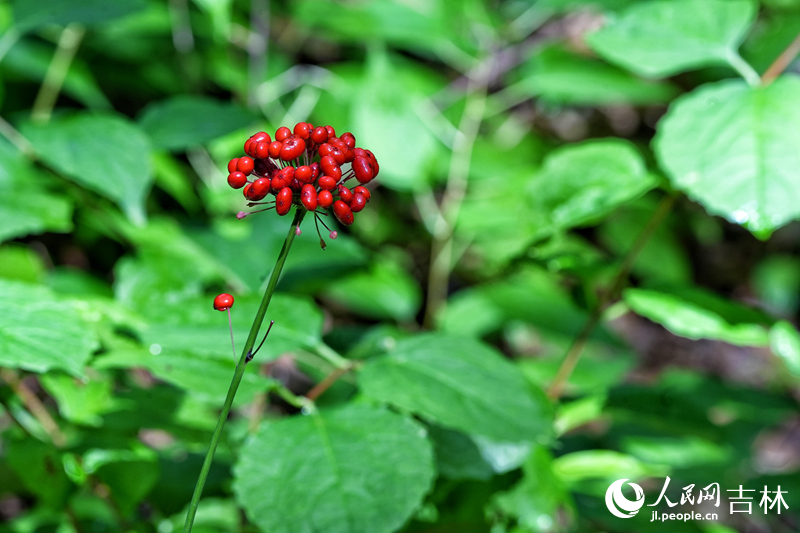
point(297, 231)
point(334, 234)
point(241, 214)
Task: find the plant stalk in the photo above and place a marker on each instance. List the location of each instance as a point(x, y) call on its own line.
point(240, 367)
point(576, 349)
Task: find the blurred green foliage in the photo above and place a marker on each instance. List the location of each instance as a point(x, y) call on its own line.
point(630, 165)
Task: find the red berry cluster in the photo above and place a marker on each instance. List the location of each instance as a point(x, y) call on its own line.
point(303, 167)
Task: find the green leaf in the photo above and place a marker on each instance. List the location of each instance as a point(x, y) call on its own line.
point(583, 182)
point(457, 456)
point(21, 263)
point(357, 469)
point(39, 466)
point(386, 291)
point(185, 121)
point(559, 76)
point(575, 467)
point(697, 314)
point(30, 15)
point(104, 153)
point(661, 38)
point(79, 402)
point(735, 149)
point(28, 210)
point(39, 332)
point(685, 452)
point(785, 343)
point(460, 383)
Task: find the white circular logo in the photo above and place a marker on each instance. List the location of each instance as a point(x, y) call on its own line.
point(621, 506)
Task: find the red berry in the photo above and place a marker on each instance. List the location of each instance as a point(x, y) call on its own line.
point(304, 174)
point(315, 170)
point(249, 146)
point(237, 180)
point(293, 147)
point(362, 167)
point(358, 202)
point(309, 197)
point(331, 131)
point(338, 143)
point(261, 136)
point(363, 191)
point(319, 135)
point(330, 167)
point(275, 149)
point(223, 302)
point(262, 150)
point(327, 182)
point(282, 178)
point(349, 139)
point(343, 212)
point(283, 201)
point(325, 149)
point(324, 199)
point(303, 130)
point(345, 194)
point(282, 133)
point(245, 165)
point(258, 190)
point(232, 164)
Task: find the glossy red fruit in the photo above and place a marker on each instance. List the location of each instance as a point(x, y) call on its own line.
point(325, 149)
point(315, 170)
point(327, 182)
point(250, 146)
point(343, 212)
point(362, 167)
point(330, 167)
point(293, 147)
point(324, 199)
point(261, 136)
point(309, 197)
point(282, 133)
point(331, 131)
point(283, 201)
point(262, 150)
point(245, 165)
point(282, 178)
point(304, 174)
point(345, 194)
point(338, 143)
point(258, 190)
point(232, 164)
point(275, 149)
point(363, 191)
point(319, 135)
point(237, 180)
point(303, 130)
point(349, 139)
point(223, 302)
point(357, 203)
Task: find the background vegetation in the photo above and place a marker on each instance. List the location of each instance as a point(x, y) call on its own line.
point(607, 183)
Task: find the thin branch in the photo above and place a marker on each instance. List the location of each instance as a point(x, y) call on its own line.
point(68, 45)
point(781, 62)
point(34, 406)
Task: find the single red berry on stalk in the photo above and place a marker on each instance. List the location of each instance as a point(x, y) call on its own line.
point(324, 199)
point(309, 197)
point(327, 182)
point(349, 139)
point(275, 149)
point(223, 302)
point(232, 164)
point(282, 133)
point(293, 147)
point(258, 190)
point(345, 194)
point(357, 203)
point(245, 165)
point(362, 167)
point(331, 131)
point(262, 150)
point(283, 201)
point(304, 174)
point(319, 135)
point(330, 167)
point(237, 180)
point(303, 130)
point(343, 212)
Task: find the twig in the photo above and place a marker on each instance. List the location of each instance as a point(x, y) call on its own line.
point(34, 406)
point(326, 383)
point(68, 45)
point(607, 297)
point(781, 62)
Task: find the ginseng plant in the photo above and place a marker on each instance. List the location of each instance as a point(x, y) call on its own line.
point(307, 168)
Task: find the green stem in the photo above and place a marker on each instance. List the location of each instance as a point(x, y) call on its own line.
point(240, 367)
point(744, 69)
point(68, 45)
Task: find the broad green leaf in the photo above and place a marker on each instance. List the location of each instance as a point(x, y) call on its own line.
point(457, 456)
point(386, 291)
point(80, 402)
point(785, 343)
point(583, 182)
point(129, 474)
point(186, 121)
point(30, 15)
point(734, 149)
point(538, 497)
point(575, 467)
point(21, 263)
point(698, 314)
point(578, 412)
point(459, 383)
point(685, 452)
point(104, 153)
point(38, 332)
point(38, 465)
point(559, 76)
point(666, 37)
point(356, 469)
point(28, 210)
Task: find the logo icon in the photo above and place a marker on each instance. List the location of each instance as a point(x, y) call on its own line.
point(621, 506)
